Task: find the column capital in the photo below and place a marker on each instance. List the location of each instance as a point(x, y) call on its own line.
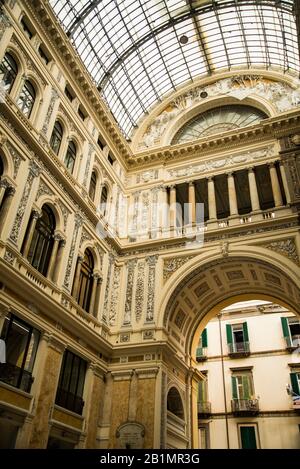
point(271, 164)
point(11, 191)
point(54, 342)
point(36, 214)
point(191, 183)
point(230, 173)
point(210, 178)
point(251, 169)
point(80, 259)
point(4, 183)
point(172, 186)
point(58, 236)
point(96, 276)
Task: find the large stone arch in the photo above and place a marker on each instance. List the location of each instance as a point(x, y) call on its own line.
point(212, 280)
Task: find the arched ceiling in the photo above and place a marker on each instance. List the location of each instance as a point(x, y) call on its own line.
point(138, 51)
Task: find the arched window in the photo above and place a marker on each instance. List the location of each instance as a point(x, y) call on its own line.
point(86, 280)
point(42, 241)
point(70, 156)
point(27, 98)
point(93, 183)
point(8, 72)
point(103, 201)
point(174, 403)
point(56, 137)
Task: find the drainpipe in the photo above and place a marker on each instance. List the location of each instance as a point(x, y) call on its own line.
point(223, 376)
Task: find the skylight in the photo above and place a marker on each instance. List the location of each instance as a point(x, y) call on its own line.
point(133, 51)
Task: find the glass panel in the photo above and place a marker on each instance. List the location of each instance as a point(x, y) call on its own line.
point(26, 98)
point(8, 72)
point(134, 48)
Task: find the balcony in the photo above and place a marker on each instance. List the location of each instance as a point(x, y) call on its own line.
point(15, 376)
point(292, 343)
point(201, 354)
point(69, 401)
point(241, 407)
point(296, 405)
point(239, 349)
point(204, 410)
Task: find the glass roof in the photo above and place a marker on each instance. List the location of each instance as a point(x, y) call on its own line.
point(137, 51)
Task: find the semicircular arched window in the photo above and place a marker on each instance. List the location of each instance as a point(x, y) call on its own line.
point(218, 120)
point(86, 281)
point(27, 98)
point(174, 403)
point(56, 137)
point(8, 72)
point(42, 241)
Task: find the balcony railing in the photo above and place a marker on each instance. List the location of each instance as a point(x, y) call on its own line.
point(239, 349)
point(204, 409)
point(15, 376)
point(201, 354)
point(292, 342)
point(69, 401)
point(245, 406)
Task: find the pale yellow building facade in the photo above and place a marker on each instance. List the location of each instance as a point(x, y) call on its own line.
point(105, 283)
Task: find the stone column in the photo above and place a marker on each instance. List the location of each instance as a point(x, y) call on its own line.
point(253, 190)
point(285, 183)
point(212, 207)
point(232, 195)
point(35, 215)
point(53, 258)
point(7, 200)
point(192, 203)
point(172, 207)
point(93, 295)
point(163, 209)
point(4, 184)
point(59, 257)
point(275, 186)
point(51, 353)
point(77, 276)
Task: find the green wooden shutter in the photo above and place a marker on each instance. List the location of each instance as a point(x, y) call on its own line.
point(245, 331)
point(204, 338)
point(246, 387)
point(285, 327)
point(229, 334)
point(234, 387)
point(295, 384)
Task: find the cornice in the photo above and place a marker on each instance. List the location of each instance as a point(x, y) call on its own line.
point(275, 127)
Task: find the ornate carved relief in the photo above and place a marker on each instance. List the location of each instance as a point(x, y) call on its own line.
point(54, 97)
point(286, 247)
point(171, 265)
point(65, 212)
point(144, 212)
point(88, 164)
point(283, 96)
point(16, 159)
point(43, 190)
point(29, 64)
point(140, 290)
point(34, 171)
point(128, 301)
point(85, 236)
point(211, 165)
point(9, 256)
point(114, 295)
point(152, 260)
point(4, 24)
point(78, 224)
point(107, 288)
point(147, 176)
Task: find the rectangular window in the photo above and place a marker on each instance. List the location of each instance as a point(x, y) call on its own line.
point(26, 28)
point(248, 436)
point(291, 331)
point(101, 143)
point(111, 158)
point(201, 352)
point(69, 93)
point(71, 383)
point(43, 55)
point(295, 382)
point(81, 112)
point(237, 338)
point(21, 342)
point(242, 386)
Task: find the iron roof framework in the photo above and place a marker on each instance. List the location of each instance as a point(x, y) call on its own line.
point(138, 51)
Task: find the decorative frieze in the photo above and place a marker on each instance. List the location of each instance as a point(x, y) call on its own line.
point(151, 260)
point(78, 224)
point(114, 295)
point(147, 176)
point(140, 290)
point(54, 97)
point(128, 301)
point(4, 24)
point(9, 256)
point(228, 162)
point(85, 236)
point(285, 247)
point(171, 265)
point(34, 171)
point(65, 212)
